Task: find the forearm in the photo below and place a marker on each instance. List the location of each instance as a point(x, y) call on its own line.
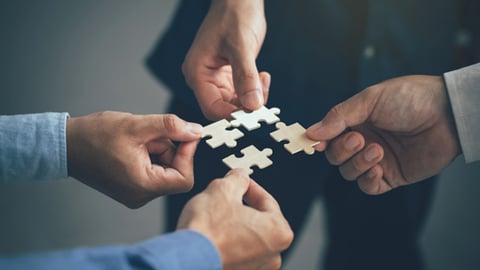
point(463, 87)
point(33, 147)
point(176, 251)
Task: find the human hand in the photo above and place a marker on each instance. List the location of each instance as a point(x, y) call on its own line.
point(247, 236)
point(220, 66)
point(131, 158)
point(400, 131)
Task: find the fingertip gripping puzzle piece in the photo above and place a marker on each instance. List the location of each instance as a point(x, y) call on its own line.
point(250, 120)
point(251, 157)
point(221, 135)
point(296, 136)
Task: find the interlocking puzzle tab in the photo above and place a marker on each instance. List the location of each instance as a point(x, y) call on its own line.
point(296, 136)
point(250, 120)
point(251, 157)
point(221, 135)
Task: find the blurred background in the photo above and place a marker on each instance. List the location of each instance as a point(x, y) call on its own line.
point(87, 56)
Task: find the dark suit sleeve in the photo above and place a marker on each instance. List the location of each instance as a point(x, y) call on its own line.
point(165, 61)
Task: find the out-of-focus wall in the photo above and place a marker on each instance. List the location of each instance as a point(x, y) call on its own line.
point(87, 56)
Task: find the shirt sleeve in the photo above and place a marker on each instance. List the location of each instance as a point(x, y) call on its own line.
point(181, 250)
point(33, 147)
point(463, 86)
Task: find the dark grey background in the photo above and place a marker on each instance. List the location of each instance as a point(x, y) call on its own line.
point(87, 56)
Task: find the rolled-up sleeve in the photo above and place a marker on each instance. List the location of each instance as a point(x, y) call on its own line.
point(33, 147)
point(463, 86)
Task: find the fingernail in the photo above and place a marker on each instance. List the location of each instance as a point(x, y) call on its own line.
point(316, 128)
point(239, 171)
point(351, 143)
point(252, 100)
point(371, 154)
point(195, 128)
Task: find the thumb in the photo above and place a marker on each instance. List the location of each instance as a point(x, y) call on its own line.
point(354, 111)
point(234, 185)
point(246, 79)
point(167, 126)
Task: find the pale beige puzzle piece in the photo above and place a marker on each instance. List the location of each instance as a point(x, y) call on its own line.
point(250, 120)
point(296, 136)
point(251, 157)
point(221, 135)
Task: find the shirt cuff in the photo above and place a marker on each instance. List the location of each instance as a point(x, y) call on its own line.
point(33, 147)
point(463, 87)
point(185, 249)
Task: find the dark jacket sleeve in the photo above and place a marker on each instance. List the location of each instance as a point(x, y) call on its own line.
point(165, 60)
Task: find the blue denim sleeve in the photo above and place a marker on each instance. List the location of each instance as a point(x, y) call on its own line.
point(33, 147)
point(181, 250)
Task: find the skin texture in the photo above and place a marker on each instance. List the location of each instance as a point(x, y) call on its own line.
point(220, 65)
point(395, 133)
point(132, 158)
point(243, 221)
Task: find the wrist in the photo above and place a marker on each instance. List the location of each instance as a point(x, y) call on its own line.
point(72, 142)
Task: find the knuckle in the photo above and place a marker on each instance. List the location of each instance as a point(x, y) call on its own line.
point(187, 185)
point(332, 157)
point(282, 234)
point(171, 122)
point(345, 173)
point(356, 166)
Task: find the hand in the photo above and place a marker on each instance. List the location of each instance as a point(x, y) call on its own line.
point(401, 131)
point(220, 66)
point(131, 158)
point(247, 236)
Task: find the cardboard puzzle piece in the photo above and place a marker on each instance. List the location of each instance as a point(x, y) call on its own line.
point(250, 120)
point(221, 135)
point(251, 157)
point(296, 136)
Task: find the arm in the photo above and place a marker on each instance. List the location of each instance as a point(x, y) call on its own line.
point(184, 249)
point(395, 133)
point(130, 158)
point(220, 65)
point(463, 88)
point(233, 224)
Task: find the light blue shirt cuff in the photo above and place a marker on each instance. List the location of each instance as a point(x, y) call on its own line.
point(33, 147)
point(185, 249)
point(181, 250)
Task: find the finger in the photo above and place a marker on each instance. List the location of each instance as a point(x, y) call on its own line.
point(351, 112)
point(362, 162)
point(213, 104)
point(258, 198)
point(167, 126)
point(163, 149)
point(246, 79)
point(344, 147)
point(179, 177)
point(373, 182)
point(272, 264)
point(235, 184)
point(266, 80)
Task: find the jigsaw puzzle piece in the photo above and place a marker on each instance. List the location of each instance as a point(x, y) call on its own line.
point(221, 135)
point(251, 157)
point(250, 120)
point(296, 136)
